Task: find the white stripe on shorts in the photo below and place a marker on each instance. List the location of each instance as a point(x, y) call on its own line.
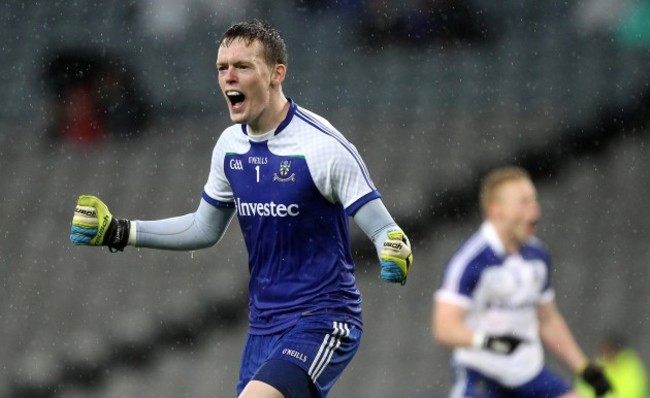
point(460, 385)
point(331, 342)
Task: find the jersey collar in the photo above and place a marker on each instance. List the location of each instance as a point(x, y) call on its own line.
point(283, 124)
point(490, 234)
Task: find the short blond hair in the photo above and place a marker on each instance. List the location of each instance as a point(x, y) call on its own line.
point(494, 179)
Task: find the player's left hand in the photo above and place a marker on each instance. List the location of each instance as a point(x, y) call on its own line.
point(396, 257)
point(504, 344)
point(594, 375)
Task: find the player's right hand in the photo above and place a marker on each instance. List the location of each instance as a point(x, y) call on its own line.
point(94, 225)
point(504, 344)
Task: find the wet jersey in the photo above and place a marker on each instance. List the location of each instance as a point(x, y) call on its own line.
point(501, 293)
point(293, 189)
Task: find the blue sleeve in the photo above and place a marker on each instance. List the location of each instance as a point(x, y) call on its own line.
point(549, 269)
point(536, 250)
point(469, 279)
point(461, 277)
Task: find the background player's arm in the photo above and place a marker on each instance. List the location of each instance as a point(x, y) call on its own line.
point(557, 337)
point(449, 327)
point(450, 330)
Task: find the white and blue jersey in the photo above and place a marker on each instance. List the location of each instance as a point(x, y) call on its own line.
point(501, 293)
point(294, 189)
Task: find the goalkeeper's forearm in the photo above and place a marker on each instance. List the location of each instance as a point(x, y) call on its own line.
point(197, 230)
point(393, 247)
point(374, 219)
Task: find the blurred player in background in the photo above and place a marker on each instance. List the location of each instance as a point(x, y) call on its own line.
point(623, 367)
point(496, 306)
point(293, 180)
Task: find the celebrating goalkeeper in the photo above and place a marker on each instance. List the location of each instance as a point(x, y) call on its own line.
point(496, 305)
point(293, 180)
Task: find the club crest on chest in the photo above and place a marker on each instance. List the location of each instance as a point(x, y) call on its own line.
point(284, 172)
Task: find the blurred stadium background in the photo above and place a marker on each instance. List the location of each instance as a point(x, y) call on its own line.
point(433, 94)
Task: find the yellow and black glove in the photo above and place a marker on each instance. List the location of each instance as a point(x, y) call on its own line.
point(93, 225)
point(594, 375)
point(396, 257)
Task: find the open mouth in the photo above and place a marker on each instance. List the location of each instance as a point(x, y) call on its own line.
point(235, 97)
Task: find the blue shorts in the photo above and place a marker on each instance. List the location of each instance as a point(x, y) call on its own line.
point(472, 384)
point(321, 349)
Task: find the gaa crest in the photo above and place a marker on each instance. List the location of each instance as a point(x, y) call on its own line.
point(283, 172)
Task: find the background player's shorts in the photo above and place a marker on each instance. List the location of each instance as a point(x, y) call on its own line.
point(322, 349)
point(472, 384)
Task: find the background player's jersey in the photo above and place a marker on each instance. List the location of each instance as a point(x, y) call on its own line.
point(501, 292)
point(294, 189)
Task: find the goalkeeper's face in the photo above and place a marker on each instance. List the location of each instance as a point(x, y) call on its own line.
point(249, 83)
point(517, 210)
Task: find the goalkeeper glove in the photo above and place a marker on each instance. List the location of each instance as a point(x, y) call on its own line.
point(94, 225)
point(504, 344)
point(396, 257)
point(594, 376)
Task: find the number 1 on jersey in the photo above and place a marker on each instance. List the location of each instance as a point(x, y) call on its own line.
point(257, 172)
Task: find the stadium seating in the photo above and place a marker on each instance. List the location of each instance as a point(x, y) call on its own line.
point(78, 322)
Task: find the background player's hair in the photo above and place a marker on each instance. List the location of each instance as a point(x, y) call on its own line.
point(275, 50)
point(494, 179)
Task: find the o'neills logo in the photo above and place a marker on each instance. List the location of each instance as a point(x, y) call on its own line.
point(296, 354)
point(270, 209)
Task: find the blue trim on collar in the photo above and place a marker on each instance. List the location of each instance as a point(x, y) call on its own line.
point(283, 124)
point(287, 119)
point(492, 237)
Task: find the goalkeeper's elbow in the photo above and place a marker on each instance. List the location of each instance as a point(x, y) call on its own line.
point(207, 239)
